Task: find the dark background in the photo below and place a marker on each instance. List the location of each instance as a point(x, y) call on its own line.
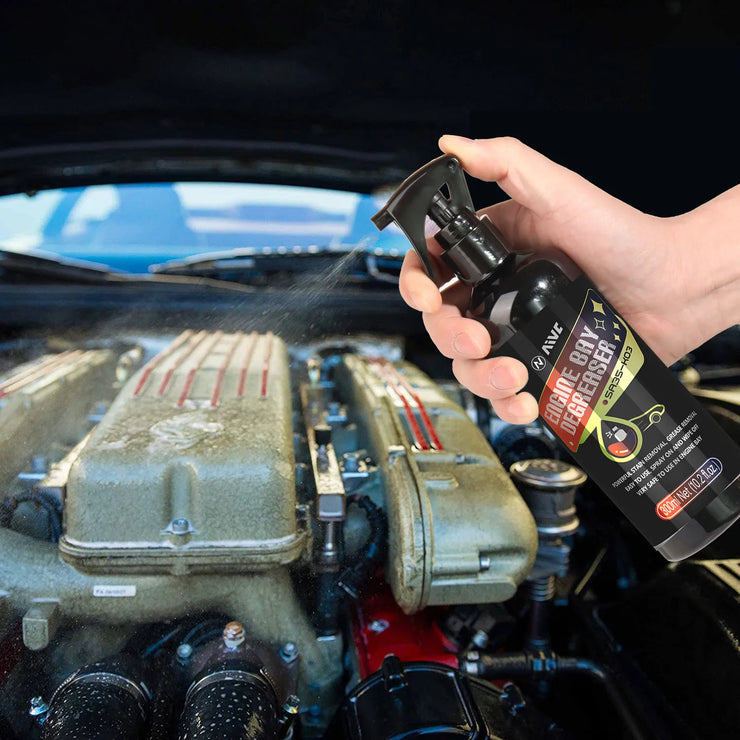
point(640, 97)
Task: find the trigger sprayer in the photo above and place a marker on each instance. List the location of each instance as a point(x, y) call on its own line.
point(644, 440)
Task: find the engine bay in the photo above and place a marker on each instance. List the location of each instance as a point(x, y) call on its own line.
point(220, 534)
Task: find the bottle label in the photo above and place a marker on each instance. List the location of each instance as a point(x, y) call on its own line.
point(630, 424)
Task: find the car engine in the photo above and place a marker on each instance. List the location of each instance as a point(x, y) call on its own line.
point(218, 535)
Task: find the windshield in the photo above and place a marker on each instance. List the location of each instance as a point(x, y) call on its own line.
point(131, 227)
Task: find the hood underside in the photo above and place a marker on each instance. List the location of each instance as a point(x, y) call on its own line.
point(355, 96)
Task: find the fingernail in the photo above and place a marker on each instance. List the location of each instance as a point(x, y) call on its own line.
point(455, 136)
point(502, 379)
point(464, 344)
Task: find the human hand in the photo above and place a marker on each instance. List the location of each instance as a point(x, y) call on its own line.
point(658, 273)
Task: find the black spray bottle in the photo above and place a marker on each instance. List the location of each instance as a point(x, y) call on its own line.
point(640, 435)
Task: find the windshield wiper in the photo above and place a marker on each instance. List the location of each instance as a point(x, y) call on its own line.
point(59, 269)
point(262, 267)
point(56, 268)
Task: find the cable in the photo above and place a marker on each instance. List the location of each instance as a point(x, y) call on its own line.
point(45, 501)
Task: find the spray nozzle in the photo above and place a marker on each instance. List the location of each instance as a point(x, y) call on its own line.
point(472, 246)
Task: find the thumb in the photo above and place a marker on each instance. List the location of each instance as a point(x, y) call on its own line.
point(530, 178)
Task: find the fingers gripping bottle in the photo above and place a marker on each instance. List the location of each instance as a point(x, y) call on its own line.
point(640, 435)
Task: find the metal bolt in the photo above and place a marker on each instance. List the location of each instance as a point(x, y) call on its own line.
point(484, 562)
point(233, 635)
point(469, 666)
point(37, 706)
point(322, 459)
point(39, 464)
point(314, 372)
point(180, 526)
point(379, 625)
point(184, 652)
point(351, 462)
point(289, 651)
point(480, 639)
point(292, 705)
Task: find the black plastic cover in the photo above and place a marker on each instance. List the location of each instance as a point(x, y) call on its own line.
point(435, 701)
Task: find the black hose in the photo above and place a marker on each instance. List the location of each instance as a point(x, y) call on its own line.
point(549, 665)
point(354, 578)
point(102, 701)
point(328, 604)
point(230, 700)
point(44, 500)
point(152, 640)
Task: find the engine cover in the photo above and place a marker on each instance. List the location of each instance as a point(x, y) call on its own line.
point(192, 468)
point(458, 530)
point(44, 401)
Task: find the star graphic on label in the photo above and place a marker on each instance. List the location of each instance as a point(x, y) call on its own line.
point(600, 324)
point(616, 325)
point(598, 307)
point(617, 338)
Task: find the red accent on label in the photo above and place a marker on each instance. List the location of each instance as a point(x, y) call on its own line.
point(569, 426)
point(681, 496)
point(581, 372)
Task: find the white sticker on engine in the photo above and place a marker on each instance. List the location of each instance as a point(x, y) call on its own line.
point(114, 591)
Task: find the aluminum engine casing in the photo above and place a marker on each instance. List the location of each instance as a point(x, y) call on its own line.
point(459, 531)
point(192, 468)
point(46, 400)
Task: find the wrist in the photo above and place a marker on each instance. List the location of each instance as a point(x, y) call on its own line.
point(707, 243)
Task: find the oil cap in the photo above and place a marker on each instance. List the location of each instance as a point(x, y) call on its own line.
point(549, 488)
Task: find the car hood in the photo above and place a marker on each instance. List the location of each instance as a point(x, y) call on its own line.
point(355, 96)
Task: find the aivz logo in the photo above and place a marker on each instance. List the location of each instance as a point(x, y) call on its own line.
point(552, 337)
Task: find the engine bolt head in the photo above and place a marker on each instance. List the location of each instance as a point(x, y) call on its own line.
point(379, 625)
point(289, 651)
point(39, 464)
point(37, 706)
point(292, 705)
point(351, 462)
point(184, 651)
point(233, 635)
point(480, 639)
point(180, 526)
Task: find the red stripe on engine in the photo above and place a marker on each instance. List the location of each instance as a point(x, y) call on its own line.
point(194, 341)
point(156, 360)
point(266, 365)
point(222, 370)
point(194, 370)
point(21, 380)
point(436, 443)
point(245, 367)
point(385, 369)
